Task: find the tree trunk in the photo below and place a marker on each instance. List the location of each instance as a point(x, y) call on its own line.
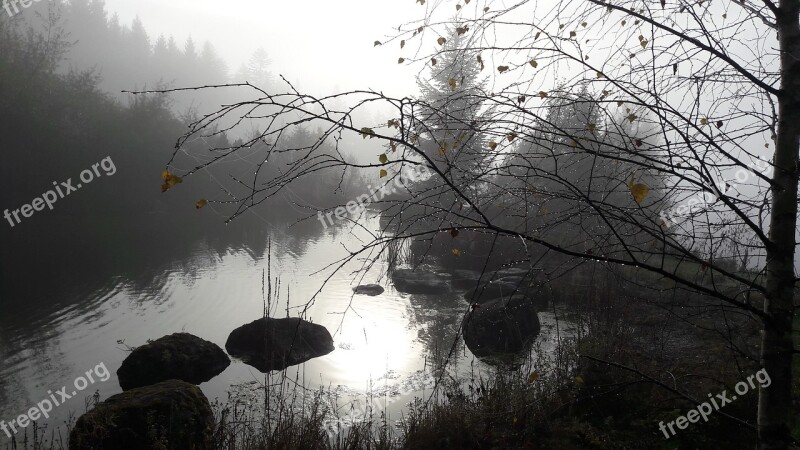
point(775, 401)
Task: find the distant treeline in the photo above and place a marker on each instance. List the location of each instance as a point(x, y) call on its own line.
point(56, 118)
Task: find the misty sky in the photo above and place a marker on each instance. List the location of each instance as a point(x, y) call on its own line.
point(317, 44)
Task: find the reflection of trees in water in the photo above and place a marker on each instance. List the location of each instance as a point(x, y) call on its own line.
point(72, 270)
point(41, 351)
point(50, 271)
point(438, 319)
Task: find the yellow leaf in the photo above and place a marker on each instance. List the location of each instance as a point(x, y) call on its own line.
point(538, 33)
point(433, 61)
point(619, 103)
point(383, 159)
point(442, 151)
point(400, 60)
point(201, 203)
point(533, 376)
point(572, 34)
point(511, 136)
point(466, 2)
point(502, 69)
point(579, 379)
point(584, 24)
point(367, 132)
point(703, 121)
point(542, 94)
point(421, 2)
point(453, 83)
point(643, 43)
point(402, 44)
point(486, 9)
point(441, 40)
point(377, 43)
point(632, 117)
point(492, 145)
point(383, 173)
point(456, 252)
point(170, 180)
point(533, 63)
point(638, 190)
point(599, 75)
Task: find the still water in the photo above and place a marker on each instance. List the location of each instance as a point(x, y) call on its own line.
point(77, 297)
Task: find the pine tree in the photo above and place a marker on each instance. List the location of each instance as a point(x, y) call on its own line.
point(213, 67)
point(450, 121)
point(256, 71)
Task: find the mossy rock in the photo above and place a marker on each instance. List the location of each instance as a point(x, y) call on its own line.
point(179, 356)
point(172, 415)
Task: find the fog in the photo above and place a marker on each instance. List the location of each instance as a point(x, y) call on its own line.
point(321, 46)
point(398, 224)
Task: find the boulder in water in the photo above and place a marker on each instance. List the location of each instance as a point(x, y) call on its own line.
point(179, 356)
point(465, 279)
point(275, 344)
point(494, 290)
point(521, 272)
point(420, 282)
point(502, 326)
point(369, 289)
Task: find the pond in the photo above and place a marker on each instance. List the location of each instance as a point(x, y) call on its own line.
point(70, 304)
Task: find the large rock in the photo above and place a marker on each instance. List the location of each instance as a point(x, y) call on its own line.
point(521, 272)
point(179, 356)
point(465, 279)
point(420, 281)
point(369, 289)
point(275, 344)
point(172, 415)
point(494, 290)
point(501, 326)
